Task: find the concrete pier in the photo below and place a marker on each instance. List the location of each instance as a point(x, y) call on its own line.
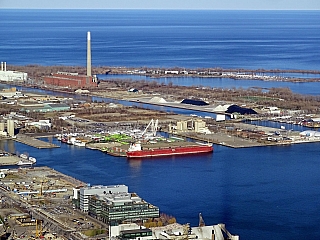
point(33, 142)
point(9, 160)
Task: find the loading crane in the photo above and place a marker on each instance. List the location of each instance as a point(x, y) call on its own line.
point(154, 127)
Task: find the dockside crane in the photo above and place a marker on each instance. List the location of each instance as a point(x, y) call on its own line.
point(201, 221)
point(154, 127)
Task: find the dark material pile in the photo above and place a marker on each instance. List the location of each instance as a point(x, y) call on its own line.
point(194, 102)
point(240, 110)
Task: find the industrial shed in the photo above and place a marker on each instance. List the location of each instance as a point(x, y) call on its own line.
point(59, 107)
point(240, 110)
point(194, 102)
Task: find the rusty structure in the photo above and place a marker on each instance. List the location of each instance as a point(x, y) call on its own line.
point(74, 80)
point(63, 79)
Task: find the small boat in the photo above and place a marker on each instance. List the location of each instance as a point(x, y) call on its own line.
point(71, 140)
point(32, 159)
point(79, 143)
point(24, 163)
point(24, 156)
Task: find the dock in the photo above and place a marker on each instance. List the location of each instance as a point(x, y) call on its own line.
point(33, 142)
point(9, 160)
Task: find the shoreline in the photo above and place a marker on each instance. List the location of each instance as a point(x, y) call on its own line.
point(38, 71)
point(145, 99)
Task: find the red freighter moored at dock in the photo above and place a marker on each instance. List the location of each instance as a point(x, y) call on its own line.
point(136, 151)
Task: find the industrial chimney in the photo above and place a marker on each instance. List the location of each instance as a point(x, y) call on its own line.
point(88, 54)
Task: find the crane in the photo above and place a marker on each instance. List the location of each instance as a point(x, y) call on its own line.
point(201, 221)
point(154, 127)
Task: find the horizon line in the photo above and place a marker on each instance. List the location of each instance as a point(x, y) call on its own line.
point(173, 9)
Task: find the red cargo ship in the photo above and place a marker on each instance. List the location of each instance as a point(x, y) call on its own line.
point(136, 151)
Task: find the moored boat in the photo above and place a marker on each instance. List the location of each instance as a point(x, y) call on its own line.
point(79, 143)
point(24, 163)
point(136, 151)
point(32, 159)
point(24, 156)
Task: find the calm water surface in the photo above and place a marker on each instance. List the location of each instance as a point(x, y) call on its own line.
point(310, 88)
point(260, 193)
point(190, 39)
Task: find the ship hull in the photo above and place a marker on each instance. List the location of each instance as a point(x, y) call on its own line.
point(147, 153)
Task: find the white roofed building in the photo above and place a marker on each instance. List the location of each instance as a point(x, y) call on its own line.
point(11, 76)
point(86, 192)
point(310, 134)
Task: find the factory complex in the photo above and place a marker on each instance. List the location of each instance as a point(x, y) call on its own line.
point(41, 202)
point(11, 76)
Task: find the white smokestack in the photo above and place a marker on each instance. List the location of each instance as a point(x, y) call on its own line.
point(5, 66)
point(1, 66)
point(88, 54)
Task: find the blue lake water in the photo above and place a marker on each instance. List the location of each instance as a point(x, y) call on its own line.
point(190, 39)
point(259, 193)
point(264, 193)
point(310, 88)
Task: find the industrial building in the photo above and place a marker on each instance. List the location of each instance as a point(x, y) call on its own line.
point(41, 124)
point(2, 130)
point(44, 107)
point(83, 194)
point(10, 127)
point(113, 204)
point(63, 79)
point(11, 93)
point(116, 208)
point(11, 76)
point(197, 125)
point(74, 80)
point(173, 231)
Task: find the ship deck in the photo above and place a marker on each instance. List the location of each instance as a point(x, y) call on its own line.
point(119, 151)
